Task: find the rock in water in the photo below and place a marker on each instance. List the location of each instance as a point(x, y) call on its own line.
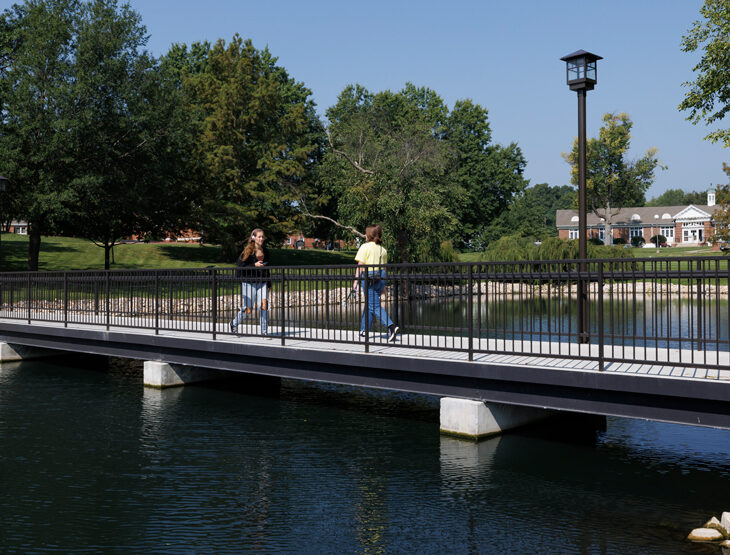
point(705, 535)
point(725, 521)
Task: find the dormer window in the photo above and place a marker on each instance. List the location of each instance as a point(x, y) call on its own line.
point(635, 218)
point(666, 216)
point(574, 219)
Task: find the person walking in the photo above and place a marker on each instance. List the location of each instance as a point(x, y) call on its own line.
point(255, 280)
point(372, 253)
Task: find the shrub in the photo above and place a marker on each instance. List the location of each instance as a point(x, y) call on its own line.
point(447, 253)
point(637, 241)
point(619, 241)
point(658, 240)
point(595, 241)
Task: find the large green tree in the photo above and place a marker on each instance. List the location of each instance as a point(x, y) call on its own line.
point(129, 171)
point(678, 197)
point(257, 140)
point(708, 98)
point(612, 181)
point(385, 164)
point(721, 214)
point(36, 143)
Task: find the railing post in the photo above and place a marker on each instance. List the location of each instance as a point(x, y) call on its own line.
point(29, 297)
point(65, 299)
point(599, 300)
point(283, 306)
point(700, 316)
point(214, 300)
point(366, 314)
point(470, 311)
point(107, 300)
point(157, 302)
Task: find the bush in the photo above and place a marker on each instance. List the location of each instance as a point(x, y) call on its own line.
point(619, 241)
point(447, 253)
point(637, 241)
point(658, 240)
point(595, 241)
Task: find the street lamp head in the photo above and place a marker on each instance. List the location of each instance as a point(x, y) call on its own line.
point(581, 71)
point(3, 182)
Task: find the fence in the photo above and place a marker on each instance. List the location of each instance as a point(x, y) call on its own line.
point(668, 310)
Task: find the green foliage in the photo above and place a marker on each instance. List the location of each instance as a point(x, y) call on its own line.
point(595, 241)
point(708, 98)
point(447, 253)
point(637, 241)
point(612, 182)
point(721, 215)
point(619, 241)
point(658, 240)
point(677, 197)
point(517, 248)
point(257, 139)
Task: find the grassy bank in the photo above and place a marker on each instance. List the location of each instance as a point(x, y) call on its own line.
point(67, 253)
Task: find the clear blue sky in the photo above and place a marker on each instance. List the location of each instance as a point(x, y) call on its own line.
point(504, 55)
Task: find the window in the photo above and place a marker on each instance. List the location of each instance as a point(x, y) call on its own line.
point(572, 234)
point(635, 232)
point(667, 231)
point(602, 234)
point(574, 219)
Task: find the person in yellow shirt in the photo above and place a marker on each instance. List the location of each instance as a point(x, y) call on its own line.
point(370, 257)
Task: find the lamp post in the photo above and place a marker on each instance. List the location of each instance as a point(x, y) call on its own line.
point(581, 75)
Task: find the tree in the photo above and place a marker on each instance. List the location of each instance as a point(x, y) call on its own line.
point(708, 98)
point(677, 197)
point(612, 182)
point(257, 141)
point(484, 178)
point(36, 148)
point(721, 215)
point(385, 164)
point(128, 174)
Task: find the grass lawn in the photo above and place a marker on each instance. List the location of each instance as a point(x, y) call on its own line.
point(67, 253)
point(638, 253)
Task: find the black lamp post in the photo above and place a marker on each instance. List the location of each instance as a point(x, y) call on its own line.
point(582, 75)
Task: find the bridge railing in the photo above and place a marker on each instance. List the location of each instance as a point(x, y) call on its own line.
point(672, 311)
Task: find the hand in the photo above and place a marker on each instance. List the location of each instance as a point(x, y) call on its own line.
point(259, 263)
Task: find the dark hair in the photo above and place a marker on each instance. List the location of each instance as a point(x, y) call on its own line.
point(251, 245)
point(374, 233)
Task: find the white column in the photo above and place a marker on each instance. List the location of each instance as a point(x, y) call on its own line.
point(478, 419)
point(162, 374)
point(10, 352)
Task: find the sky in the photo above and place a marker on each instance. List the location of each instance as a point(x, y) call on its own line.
point(502, 54)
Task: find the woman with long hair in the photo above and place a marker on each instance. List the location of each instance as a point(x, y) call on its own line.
point(256, 280)
point(372, 255)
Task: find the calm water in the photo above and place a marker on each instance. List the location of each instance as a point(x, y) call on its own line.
point(92, 461)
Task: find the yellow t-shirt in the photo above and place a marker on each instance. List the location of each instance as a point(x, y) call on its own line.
point(372, 253)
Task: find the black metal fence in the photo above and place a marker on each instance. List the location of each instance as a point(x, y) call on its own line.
point(671, 311)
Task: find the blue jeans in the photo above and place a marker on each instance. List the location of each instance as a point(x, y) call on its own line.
point(372, 296)
point(253, 293)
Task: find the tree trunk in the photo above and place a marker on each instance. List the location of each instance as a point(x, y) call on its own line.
point(107, 248)
point(34, 248)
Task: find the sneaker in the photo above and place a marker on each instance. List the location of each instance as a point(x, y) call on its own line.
point(233, 327)
point(392, 332)
point(363, 334)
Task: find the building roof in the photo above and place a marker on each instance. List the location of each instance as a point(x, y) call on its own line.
point(647, 215)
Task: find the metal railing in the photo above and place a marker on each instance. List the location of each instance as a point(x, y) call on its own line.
point(671, 311)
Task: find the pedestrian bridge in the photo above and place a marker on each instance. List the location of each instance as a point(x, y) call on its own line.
point(656, 346)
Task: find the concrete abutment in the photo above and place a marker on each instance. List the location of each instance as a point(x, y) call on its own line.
point(10, 352)
point(472, 419)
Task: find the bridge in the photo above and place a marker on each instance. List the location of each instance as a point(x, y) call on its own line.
point(499, 342)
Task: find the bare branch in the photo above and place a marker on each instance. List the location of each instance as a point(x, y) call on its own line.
point(346, 157)
point(305, 212)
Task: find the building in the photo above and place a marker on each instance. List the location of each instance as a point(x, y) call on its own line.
point(682, 225)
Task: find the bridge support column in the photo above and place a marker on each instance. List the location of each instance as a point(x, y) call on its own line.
point(478, 419)
point(10, 352)
point(162, 374)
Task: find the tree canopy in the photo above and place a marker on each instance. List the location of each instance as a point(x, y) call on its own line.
point(708, 98)
point(612, 181)
point(678, 197)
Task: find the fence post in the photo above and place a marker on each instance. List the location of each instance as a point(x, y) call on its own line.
point(65, 299)
point(366, 314)
point(29, 297)
point(283, 306)
point(214, 300)
point(470, 311)
point(601, 363)
point(157, 302)
point(107, 301)
point(700, 317)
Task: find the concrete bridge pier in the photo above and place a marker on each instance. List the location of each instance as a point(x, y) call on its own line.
point(162, 374)
point(479, 419)
point(10, 352)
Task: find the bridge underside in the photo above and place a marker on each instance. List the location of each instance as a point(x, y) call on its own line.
point(650, 392)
